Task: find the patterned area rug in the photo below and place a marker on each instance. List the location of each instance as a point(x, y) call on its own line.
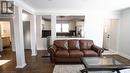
point(74, 69)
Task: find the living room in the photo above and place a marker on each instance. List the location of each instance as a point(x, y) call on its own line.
point(106, 24)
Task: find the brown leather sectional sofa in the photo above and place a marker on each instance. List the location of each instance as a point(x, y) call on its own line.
point(72, 50)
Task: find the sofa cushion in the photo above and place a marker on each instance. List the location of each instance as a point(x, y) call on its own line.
point(62, 53)
point(86, 44)
point(73, 44)
point(61, 44)
point(75, 53)
point(89, 53)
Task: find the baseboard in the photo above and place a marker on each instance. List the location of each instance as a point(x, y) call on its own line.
point(21, 66)
point(114, 52)
point(41, 49)
point(109, 52)
point(34, 54)
point(124, 55)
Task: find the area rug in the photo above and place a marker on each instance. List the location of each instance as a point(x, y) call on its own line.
point(73, 69)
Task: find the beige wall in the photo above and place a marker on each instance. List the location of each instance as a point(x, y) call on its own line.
point(5, 28)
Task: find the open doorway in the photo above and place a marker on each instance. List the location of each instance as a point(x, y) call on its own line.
point(26, 33)
point(26, 30)
point(5, 35)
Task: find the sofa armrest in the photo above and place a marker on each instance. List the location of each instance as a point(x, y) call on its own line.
point(97, 49)
point(52, 49)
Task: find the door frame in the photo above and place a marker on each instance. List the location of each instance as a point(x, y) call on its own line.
point(11, 32)
point(108, 33)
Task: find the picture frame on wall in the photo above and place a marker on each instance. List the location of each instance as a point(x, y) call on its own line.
point(7, 7)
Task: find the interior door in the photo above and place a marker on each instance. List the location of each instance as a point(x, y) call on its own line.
point(111, 34)
point(106, 35)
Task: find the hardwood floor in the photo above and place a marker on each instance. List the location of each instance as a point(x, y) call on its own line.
point(36, 64)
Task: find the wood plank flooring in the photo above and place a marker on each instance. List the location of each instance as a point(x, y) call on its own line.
point(36, 64)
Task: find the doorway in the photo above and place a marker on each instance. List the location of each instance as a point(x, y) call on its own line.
point(5, 33)
point(26, 34)
point(111, 35)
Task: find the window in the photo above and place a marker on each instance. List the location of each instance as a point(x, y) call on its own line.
point(58, 27)
point(62, 27)
point(7, 7)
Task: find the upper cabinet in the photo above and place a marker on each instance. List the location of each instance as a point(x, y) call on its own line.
point(46, 26)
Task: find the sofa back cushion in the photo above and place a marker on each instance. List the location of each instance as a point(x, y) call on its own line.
point(85, 44)
point(61, 44)
point(73, 44)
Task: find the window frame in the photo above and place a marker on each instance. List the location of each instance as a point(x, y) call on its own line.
point(61, 29)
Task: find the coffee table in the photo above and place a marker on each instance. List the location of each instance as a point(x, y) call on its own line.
point(102, 64)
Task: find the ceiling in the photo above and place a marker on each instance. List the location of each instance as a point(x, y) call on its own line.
point(78, 4)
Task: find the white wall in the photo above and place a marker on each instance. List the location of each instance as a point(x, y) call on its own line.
point(94, 27)
point(41, 42)
point(124, 41)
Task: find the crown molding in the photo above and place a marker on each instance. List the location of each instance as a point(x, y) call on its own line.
point(24, 6)
point(61, 12)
